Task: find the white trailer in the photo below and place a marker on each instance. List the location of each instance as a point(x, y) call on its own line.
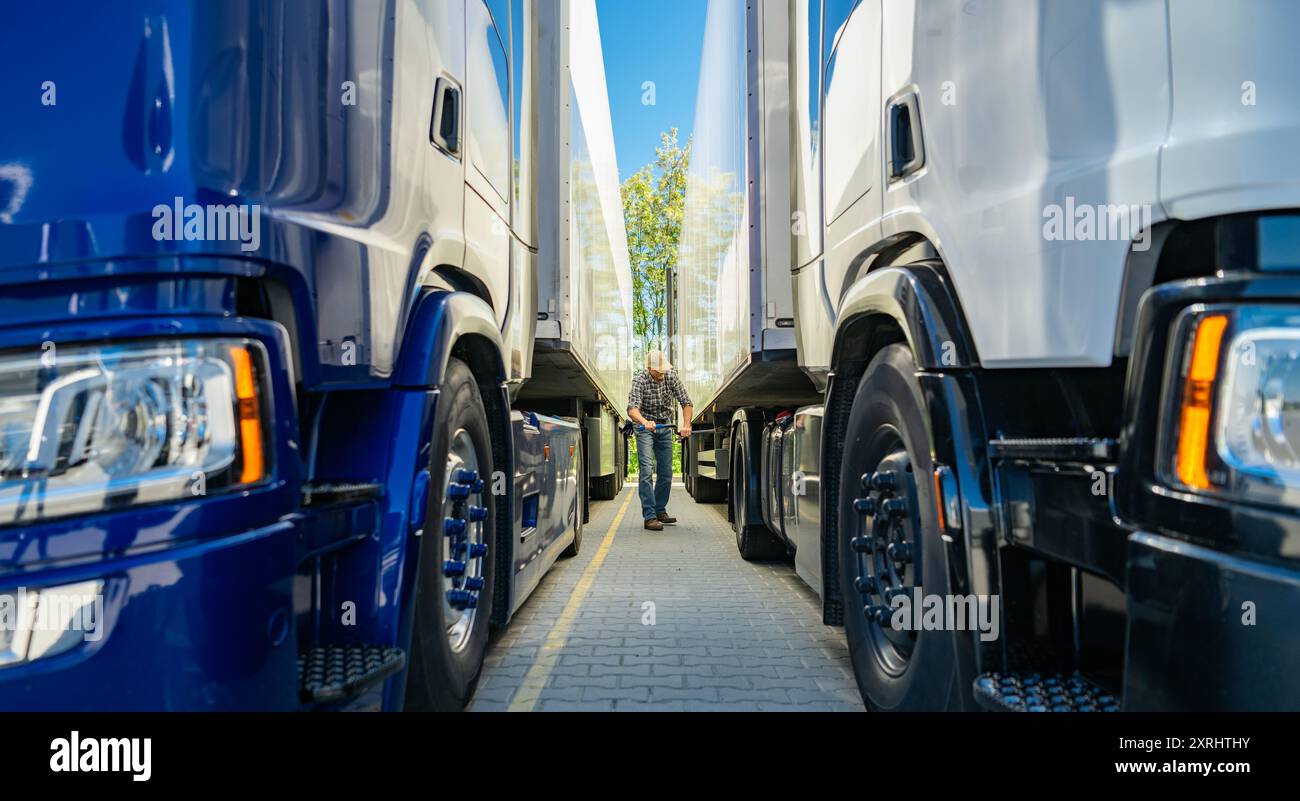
point(734, 335)
point(581, 358)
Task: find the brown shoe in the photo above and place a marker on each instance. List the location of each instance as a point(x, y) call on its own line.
point(663, 517)
point(653, 524)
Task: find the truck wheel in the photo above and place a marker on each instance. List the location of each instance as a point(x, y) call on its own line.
point(620, 468)
point(453, 596)
point(604, 488)
point(754, 541)
point(708, 490)
point(890, 544)
point(580, 500)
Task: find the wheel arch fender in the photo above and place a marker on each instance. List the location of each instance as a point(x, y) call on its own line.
point(913, 304)
point(438, 322)
point(460, 324)
point(919, 300)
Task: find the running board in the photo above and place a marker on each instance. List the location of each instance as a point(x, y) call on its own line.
point(1054, 449)
point(330, 673)
point(1035, 692)
point(1056, 497)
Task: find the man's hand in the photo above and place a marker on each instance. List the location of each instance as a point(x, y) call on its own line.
point(640, 419)
point(685, 430)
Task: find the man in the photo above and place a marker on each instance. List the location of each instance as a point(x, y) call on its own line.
point(650, 405)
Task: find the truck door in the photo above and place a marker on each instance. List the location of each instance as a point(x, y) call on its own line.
point(488, 172)
point(851, 134)
point(438, 48)
point(518, 333)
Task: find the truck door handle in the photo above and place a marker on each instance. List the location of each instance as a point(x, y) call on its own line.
point(906, 150)
point(444, 127)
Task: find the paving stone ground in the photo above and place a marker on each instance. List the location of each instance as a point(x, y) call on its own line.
point(671, 620)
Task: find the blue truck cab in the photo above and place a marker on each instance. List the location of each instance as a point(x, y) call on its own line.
point(261, 304)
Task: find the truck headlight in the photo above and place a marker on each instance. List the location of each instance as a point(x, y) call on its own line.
point(90, 428)
point(38, 624)
point(1233, 428)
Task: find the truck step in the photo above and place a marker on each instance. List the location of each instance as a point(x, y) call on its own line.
point(322, 494)
point(1038, 692)
point(329, 673)
point(1055, 449)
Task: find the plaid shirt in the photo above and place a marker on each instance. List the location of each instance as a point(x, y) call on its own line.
point(655, 398)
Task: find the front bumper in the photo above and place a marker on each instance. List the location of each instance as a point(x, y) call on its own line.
point(205, 625)
point(1213, 584)
point(1208, 630)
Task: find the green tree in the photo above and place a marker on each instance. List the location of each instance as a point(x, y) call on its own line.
point(654, 198)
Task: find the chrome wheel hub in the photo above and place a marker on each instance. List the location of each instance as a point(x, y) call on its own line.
point(464, 536)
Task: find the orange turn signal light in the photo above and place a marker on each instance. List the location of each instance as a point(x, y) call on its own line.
point(250, 417)
point(1198, 401)
point(938, 498)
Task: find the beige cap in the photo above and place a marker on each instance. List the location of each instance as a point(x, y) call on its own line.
point(657, 360)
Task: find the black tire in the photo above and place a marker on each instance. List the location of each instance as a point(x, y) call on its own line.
point(709, 490)
point(607, 488)
point(888, 418)
point(731, 485)
point(620, 466)
point(442, 678)
point(688, 477)
point(755, 541)
point(580, 504)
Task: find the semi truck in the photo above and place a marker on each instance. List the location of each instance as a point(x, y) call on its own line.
point(1046, 290)
point(732, 312)
point(278, 278)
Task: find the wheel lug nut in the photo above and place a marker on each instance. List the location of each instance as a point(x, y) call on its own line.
point(478, 550)
point(466, 476)
point(894, 592)
point(893, 507)
point(866, 585)
point(476, 486)
point(477, 513)
point(462, 599)
point(453, 568)
point(899, 552)
point(865, 506)
point(884, 480)
point(453, 526)
point(457, 491)
point(860, 544)
point(876, 613)
point(474, 583)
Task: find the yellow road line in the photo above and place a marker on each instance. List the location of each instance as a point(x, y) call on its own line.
point(526, 697)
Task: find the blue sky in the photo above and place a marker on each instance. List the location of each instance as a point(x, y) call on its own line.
point(650, 40)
